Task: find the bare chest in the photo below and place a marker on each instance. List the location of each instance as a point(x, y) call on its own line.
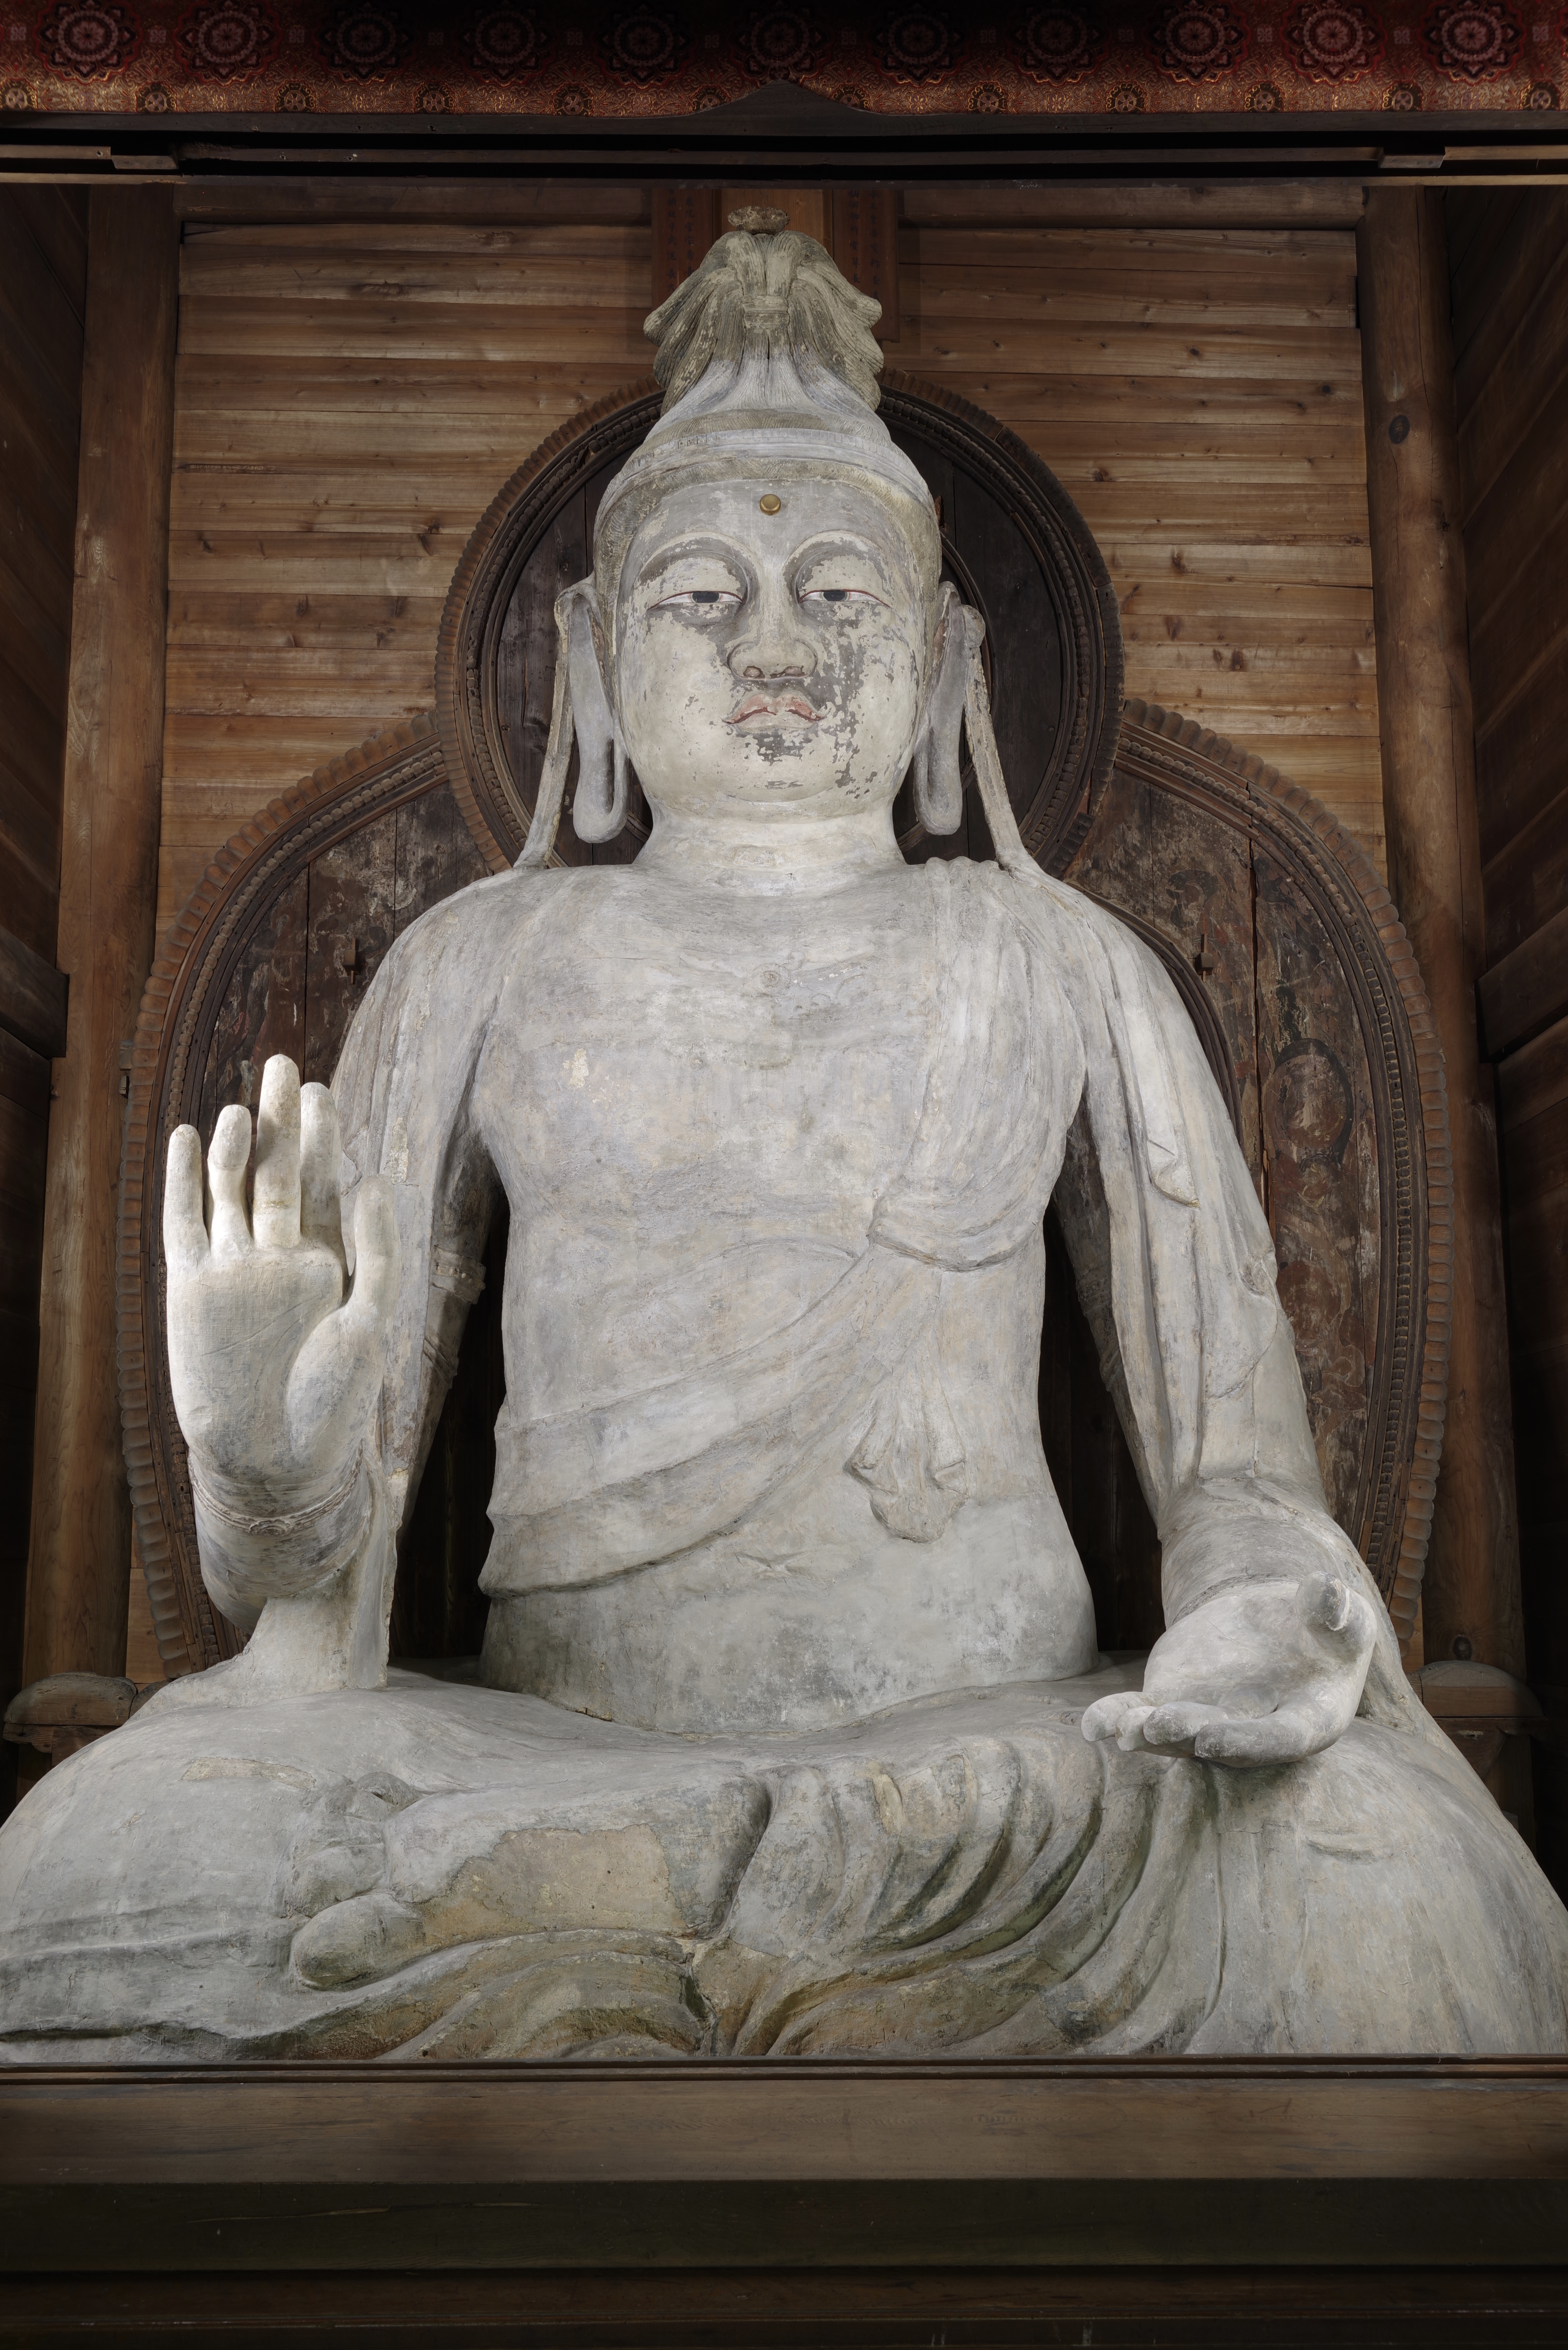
point(671, 1065)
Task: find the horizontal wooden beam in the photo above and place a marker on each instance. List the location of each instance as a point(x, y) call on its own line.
point(1526, 991)
point(800, 2307)
point(33, 996)
point(845, 2118)
point(784, 133)
point(1391, 2163)
point(1161, 202)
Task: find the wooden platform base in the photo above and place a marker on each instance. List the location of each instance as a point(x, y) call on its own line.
point(1170, 2202)
point(775, 2309)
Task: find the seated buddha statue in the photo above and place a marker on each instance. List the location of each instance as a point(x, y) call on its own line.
point(791, 1732)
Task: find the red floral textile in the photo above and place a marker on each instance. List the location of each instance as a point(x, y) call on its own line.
point(586, 57)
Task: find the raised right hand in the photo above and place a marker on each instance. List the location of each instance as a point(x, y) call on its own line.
point(275, 1373)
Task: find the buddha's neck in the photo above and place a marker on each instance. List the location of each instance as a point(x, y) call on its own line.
point(772, 854)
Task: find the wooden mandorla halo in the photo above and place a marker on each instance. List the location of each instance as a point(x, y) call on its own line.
point(1391, 1523)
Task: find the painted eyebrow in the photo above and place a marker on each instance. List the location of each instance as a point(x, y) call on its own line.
point(721, 550)
point(841, 544)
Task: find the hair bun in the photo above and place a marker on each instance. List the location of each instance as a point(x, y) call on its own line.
point(758, 297)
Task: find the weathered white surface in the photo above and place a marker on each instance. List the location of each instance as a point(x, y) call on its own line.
point(778, 1117)
point(464, 1872)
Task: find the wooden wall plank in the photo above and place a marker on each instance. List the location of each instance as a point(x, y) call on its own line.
point(685, 222)
point(1205, 413)
point(43, 265)
point(1160, 346)
point(1197, 385)
point(33, 998)
point(1495, 295)
point(1302, 203)
point(1213, 301)
point(1520, 565)
point(573, 230)
point(1476, 217)
point(232, 210)
point(1510, 322)
point(862, 237)
point(44, 316)
point(1505, 381)
point(336, 444)
point(375, 328)
point(56, 218)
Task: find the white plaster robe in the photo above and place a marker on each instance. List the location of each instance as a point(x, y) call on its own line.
point(1063, 1049)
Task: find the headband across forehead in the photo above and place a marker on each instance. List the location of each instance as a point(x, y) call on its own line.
point(767, 359)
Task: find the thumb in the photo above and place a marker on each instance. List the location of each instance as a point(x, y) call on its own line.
point(378, 1255)
point(1331, 1604)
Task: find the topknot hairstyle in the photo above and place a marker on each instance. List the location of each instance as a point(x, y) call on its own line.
point(761, 296)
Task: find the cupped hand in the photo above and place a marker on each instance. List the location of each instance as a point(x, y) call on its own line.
point(1261, 1672)
point(275, 1371)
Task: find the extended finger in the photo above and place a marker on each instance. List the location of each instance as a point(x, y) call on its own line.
point(1177, 1724)
point(339, 1370)
point(226, 1163)
point(1283, 1737)
point(1105, 1717)
point(377, 1253)
point(1129, 1736)
point(275, 1192)
point(184, 1226)
point(1120, 1717)
point(320, 1156)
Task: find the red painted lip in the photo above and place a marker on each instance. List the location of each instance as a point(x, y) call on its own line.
point(760, 705)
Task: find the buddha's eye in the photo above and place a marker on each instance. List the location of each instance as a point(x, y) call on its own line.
point(712, 600)
point(838, 596)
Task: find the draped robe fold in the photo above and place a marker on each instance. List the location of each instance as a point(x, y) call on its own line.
point(964, 1873)
point(1063, 1060)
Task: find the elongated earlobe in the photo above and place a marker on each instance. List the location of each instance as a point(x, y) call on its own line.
point(582, 712)
point(1006, 839)
point(598, 811)
point(938, 773)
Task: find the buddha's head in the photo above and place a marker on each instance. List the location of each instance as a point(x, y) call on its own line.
point(765, 634)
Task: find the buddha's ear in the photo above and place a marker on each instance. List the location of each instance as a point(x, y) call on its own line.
point(581, 710)
point(598, 810)
point(938, 775)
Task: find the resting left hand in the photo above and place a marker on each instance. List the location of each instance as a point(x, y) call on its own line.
point(1262, 1672)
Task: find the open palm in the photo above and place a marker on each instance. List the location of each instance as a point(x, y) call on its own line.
point(275, 1370)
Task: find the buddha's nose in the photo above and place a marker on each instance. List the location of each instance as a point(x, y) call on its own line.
point(776, 646)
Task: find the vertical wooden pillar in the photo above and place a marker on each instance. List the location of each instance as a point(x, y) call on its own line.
point(79, 1563)
point(1471, 1591)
